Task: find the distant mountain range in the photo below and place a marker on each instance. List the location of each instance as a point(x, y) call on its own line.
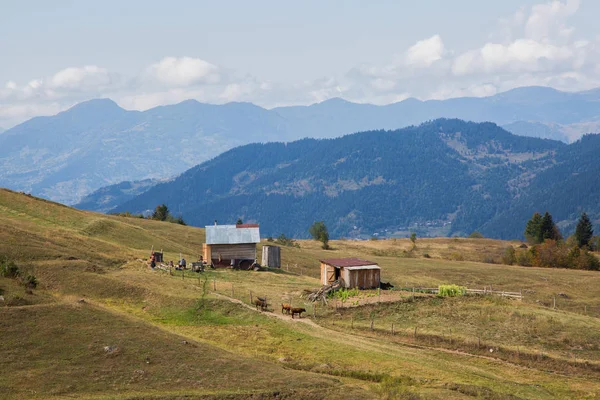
point(67, 156)
point(444, 177)
point(108, 197)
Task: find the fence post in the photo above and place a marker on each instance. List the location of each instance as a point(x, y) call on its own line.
point(352, 322)
point(251, 297)
point(392, 329)
point(415, 332)
point(554, 303)
point(372, 320)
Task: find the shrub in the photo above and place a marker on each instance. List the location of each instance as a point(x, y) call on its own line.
point(456, 256)
point(426, 255)
point(476, 235)
point(489, 259)
point(509, 256)
point(551, 254)
point(30, 282)
point(9, 269)
point(344, 294)
point(524, 258)
point(286, 241)
point(451, 290)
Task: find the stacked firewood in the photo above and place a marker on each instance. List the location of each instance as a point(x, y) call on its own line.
point(321, 293)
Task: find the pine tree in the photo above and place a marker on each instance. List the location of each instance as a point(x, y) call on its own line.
point(584, 231)
point(548, 230)
point(533, 229)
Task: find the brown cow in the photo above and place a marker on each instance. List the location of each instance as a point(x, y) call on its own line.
point(262, 303)
point(286, 308)
point(298, 311)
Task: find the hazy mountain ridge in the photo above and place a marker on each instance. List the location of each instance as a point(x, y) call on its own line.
point(97, 143)
point(109, 197)
point(442, 177)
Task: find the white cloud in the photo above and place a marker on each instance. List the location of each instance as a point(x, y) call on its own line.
point(534, 46)
point(181, 72)
point(548, 20)
point(80, 78)
point(425, 52)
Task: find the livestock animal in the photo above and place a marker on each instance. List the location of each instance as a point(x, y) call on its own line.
point(286, 308)
point(298, 311)
point(262, 303)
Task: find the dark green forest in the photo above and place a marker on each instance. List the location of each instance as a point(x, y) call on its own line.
point(463, 175)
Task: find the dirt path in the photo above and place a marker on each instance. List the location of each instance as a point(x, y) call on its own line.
point(370, 343)
point(273, 314)
point(364, 342)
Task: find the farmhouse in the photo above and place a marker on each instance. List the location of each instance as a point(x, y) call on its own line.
point(352, 272)
point(232, 246)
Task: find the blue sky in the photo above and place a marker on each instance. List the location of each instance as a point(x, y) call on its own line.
point(147, 53)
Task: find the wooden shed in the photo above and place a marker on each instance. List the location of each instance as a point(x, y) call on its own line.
point(232, 246)
point(352, 272)
point(271, 256)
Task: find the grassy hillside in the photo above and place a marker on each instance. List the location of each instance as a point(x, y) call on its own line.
point(101, 324)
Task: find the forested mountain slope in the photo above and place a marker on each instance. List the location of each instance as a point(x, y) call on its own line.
point(442, 177)
point(97, 143)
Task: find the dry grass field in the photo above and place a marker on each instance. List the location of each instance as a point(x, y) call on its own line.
point(101, 324)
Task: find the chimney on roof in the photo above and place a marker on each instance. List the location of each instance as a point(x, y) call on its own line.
point(215, 222)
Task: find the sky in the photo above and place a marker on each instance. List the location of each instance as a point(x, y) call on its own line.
point(148, 53)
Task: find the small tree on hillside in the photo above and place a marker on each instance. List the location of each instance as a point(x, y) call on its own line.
point(239, 221)
point(319, 232)
point(584, 231)
point(548, 230)
point(161, 213)
point(413, 239)
point(533, 229)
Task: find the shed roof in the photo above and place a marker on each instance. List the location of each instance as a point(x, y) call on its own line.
point(232, 234)
point(348, 262)
point(374, 266)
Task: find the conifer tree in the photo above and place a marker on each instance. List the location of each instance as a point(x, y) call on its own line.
point(548, 230)
point(584, 231)
point(533, 229)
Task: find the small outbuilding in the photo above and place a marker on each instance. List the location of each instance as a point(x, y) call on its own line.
point(271, 256)
point(232, 246)
point(352, 272)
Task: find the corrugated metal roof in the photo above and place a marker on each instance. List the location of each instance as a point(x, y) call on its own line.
point(231, 234)
point(363, 267)
point(347, 262)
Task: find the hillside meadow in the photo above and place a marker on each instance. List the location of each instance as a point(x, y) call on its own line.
point(101, 324)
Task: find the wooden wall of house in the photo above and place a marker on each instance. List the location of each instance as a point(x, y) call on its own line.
point(361, 278)
point(246, 251)
point(324, 274)
point(327, 274)
point(206, 252)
